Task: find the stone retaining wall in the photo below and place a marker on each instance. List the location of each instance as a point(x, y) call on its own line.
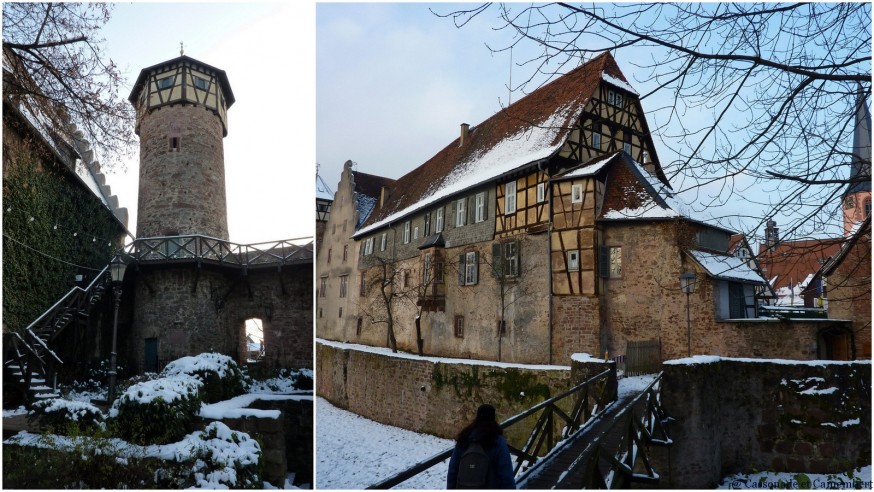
point(741, 415)
point(426, 394)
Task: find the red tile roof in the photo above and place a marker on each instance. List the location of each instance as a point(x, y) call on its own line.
point(567, 95)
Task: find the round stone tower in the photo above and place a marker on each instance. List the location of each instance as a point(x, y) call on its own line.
point(181, 118)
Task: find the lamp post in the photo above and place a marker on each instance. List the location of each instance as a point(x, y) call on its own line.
point(116, 272)
point(687, 284)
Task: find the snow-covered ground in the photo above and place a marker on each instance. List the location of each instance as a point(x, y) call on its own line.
point(353, 452)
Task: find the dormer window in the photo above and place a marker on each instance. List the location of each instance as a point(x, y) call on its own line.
point(614, 98)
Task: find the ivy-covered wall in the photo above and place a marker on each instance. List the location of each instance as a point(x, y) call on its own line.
point(53, 228)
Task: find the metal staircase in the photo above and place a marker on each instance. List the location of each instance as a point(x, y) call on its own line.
point(31, 363)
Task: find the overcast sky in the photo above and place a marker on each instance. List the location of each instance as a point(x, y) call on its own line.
point(268, 53)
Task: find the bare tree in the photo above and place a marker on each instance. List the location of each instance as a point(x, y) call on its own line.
point(53, 62)
point(383, 291)
point(747, 95)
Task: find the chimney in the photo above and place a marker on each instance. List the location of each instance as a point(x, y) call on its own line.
point(383, 195)
point(465, 129)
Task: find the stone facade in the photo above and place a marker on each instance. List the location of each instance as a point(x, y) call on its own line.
point(731, 416)
point(426, 395)
point(849, 291)
point(185, 311)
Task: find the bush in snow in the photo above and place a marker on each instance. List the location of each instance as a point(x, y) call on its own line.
point(221, 377)
point(65, 417)
point(227, 458)
point(158, 411)
point(285, 381)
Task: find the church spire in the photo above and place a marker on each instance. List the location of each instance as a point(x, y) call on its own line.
point(857, 197)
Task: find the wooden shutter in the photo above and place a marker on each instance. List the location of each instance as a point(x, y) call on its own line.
point(604, 261)
point(486, 205)
point(498, 259)
point(518, 258)
point(461, 269)
point(475, 267)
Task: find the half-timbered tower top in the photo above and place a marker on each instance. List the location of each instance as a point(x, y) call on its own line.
point(182, 80)
point(536, 129)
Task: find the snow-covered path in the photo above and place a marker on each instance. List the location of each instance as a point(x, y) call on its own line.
point(353, 452)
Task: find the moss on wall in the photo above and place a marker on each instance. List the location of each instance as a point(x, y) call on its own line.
point(53, 229)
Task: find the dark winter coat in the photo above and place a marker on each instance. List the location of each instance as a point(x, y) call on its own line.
point(500, 468)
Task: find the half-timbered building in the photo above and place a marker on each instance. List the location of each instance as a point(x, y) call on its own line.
point(549, 228)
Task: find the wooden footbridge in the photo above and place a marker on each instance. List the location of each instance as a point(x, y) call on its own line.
point(591, 436)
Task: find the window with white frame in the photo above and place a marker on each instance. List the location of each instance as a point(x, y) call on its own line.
point(510, 198)
point(480, 210)
point(576, 193)
point(323, 286)
point(614, 98)
point(468, 268)
point(596, 140)
point(460, 212)
point(573, 260)
point(368, 246)
point(541, 192)
point(406, 232)
point(416, 232)
point(427, 228)
point(610, 261)
point(426, 271)
point(382, 242)
point(438, 221)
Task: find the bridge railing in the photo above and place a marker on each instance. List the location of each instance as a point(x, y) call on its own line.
point(207, 249)
point(641, 424)
point(571, 410)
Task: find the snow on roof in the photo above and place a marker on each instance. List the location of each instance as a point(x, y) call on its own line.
point(526, 146)
point(726, 267)
point(588, 169)
point(323, 192)
point(619, 83)
point(656, 201)
point(441, 360)
point(710, 359)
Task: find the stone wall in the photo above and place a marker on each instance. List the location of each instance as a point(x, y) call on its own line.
point(426, 394)
point(190, 311)
point(576, 326)
point(182, 191)
point(740, 415)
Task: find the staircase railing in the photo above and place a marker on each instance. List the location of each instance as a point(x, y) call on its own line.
point(586, 402)
point(33, 358)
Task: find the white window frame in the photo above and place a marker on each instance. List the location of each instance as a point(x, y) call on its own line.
point(471, 268)
point(426, 270)
point(480, 210)
point(460, 212)
point(368, 246)
point(438, 226)
point(541, 192)
point(510, 197)
point(416, 232)
point(382, 242)
point(596, 140)
point(344, 285)
point(615, 261)
point(407, 232)
point(573, 260)
point(577, 193)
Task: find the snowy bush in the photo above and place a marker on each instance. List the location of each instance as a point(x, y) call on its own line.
point(60, 416)
point(285, 381)
point(221, 377)
point(227, 458)
point(158, 411)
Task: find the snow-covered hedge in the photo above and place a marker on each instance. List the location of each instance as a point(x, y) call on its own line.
point(158, 411)
point(60, 416)
point(227, 458)
point(222, 378)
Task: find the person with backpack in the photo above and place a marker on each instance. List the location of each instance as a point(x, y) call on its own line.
point(481, 459)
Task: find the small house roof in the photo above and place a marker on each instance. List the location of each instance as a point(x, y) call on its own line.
point(726, 267)
point(220, 74)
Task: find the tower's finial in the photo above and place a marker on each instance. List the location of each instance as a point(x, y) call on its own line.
point(181, 49)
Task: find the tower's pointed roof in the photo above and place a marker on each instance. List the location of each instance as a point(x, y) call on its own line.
point(323, 192)
point(861, 161)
